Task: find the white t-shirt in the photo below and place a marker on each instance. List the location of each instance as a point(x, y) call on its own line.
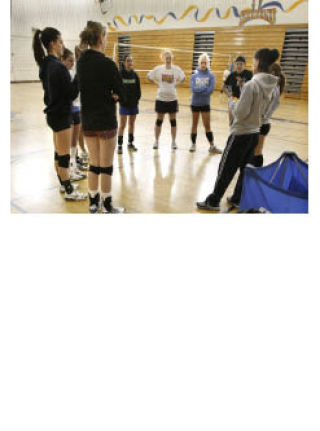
point(76, 102)
point(167, 79)
point(226, 74)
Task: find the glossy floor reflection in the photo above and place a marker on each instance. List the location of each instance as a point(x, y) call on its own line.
point(147, 181)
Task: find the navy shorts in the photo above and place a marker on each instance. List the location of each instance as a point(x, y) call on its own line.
point(129, 111)
point(265, 129)
point(204, 108)
point(76, 119)
point(167, 107)
point(59, 122)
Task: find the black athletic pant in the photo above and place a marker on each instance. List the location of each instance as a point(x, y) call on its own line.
point(237, 154)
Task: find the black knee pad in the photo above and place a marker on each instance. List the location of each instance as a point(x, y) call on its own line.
point(159, 122)
point(95, 170)
point(64, 161)
point(209, 136)
point(173, 123)
point(56, 157)
point(107, 171)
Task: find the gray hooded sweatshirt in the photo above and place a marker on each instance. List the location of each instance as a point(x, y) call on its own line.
point(253, 105)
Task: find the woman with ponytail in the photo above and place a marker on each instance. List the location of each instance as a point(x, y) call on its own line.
point(100, 88)
point(248, 114)
point(266, 126)
point(59, 92)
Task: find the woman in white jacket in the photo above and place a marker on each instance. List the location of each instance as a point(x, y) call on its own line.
point(248, 112)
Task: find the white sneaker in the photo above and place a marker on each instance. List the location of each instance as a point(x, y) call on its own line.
point(76, 196)
point(76, 175)
point(84, 156)
point(63, 190)
point(156, 146)
point(193, 148)
point(215, 150)
point(174, 146)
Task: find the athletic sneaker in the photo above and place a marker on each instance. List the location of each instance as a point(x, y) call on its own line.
point(193, 148)
point(108, 208)
point(206, 206)
point(156, 146)
point(174, 146)
point(84, 156)
point(215, 150)
point(120, 149)
point(131, 147)
point(76, 196)
point(233, 203)
point(76, 175)
point(63, 189)
point(94, 204)
point(82, 165)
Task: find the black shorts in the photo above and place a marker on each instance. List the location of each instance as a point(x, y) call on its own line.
point(59, 122)
point(167, 107)
point(76, 120)
point(204, 108)
point(265, 129)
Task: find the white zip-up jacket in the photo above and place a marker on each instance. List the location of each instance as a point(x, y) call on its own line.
point(253, 105)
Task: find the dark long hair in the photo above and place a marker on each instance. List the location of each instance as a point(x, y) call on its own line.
point(266, 58)
point(42, 39)
point(277, 71)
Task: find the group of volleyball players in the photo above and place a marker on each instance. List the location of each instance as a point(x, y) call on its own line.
point(101, 86)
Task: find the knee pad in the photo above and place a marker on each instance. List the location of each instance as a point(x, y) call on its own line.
point(173, 123)
point(159, 122)
point(209, 136)
point(56, 157)
point(107, 171)
point(94, 170)
point(64, 161)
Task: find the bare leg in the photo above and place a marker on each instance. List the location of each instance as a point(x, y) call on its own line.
point(132, 121)
point(173, 129)
point(63, 144)
point(123, 124)
point(207, 126)
point(107, 147)
point(81, 140)
point(259, 148)
point(195, 122)
point(158, 129)
point(94, 154)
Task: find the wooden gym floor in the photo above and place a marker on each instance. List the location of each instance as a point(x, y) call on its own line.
point(145, 182)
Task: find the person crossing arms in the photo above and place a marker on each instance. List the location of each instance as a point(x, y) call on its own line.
point(167, 77)
point(202, 85)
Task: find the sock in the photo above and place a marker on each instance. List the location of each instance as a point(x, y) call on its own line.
point(131, 138)
point(73, 155)
point(68, 186)
point(105, 196)
point(258, 161)
point(60, 181)
point(93, 194)
point(120, 141)
point(193, 138)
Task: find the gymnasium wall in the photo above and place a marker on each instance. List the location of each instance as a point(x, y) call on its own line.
point(228, 40)
point(178, 14)
point(69, 17)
